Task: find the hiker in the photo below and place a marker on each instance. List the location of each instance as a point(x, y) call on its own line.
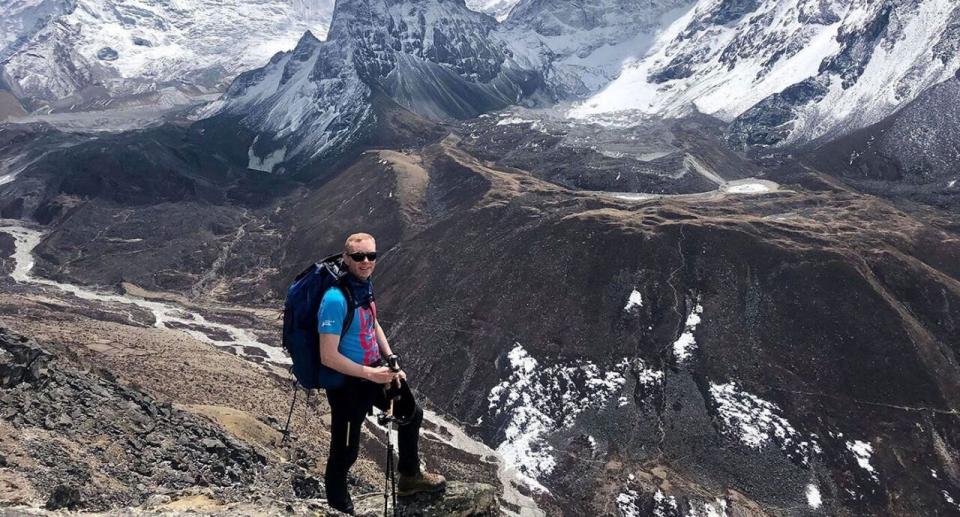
point(358, 355)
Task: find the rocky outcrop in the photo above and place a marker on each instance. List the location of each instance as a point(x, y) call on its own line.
point(75, 437)
point(89, 442)
point(771, 120)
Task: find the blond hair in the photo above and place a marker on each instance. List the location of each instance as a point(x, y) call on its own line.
point(357, 237)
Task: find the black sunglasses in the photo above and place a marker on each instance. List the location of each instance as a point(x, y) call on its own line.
point(358, 257)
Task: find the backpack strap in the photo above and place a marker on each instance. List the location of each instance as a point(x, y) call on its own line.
point(351, 307)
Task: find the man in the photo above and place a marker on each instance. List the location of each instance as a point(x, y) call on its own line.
point(358, 356)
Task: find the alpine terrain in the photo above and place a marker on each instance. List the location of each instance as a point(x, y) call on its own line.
point(672, 258)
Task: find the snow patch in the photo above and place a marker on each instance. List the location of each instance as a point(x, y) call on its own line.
point(635, 300)
point(499, 9)
point(268, 162)
point(648, 377)
point(664, 505)
point(684, 346)
point(537, 400)
point(949, 499)
point(715, 509)
point(629, 503)
point(749, 186)
point(513, 121)
point(756, 422)
point(862, 452)
point(813, 496)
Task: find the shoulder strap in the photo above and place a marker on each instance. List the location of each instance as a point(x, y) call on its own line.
point(351, 306)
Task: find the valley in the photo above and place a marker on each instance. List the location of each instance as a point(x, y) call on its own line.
point(674, 258)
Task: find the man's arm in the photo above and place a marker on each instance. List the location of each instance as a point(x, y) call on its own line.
point(385, 350)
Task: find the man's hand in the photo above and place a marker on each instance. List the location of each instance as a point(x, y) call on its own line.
point(382, 375)
point(401, 375)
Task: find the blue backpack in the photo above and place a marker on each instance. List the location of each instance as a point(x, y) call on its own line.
point(300, 336)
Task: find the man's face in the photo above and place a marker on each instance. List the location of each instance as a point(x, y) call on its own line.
point(362, 268)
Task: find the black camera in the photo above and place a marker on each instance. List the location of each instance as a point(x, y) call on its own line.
point(392, 361)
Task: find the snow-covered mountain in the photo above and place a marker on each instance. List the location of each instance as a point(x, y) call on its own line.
point(440, 60)
point(67, 52)
point(789, 71)
point(499, 9)
point(581, 47)
point(778, 71)
point(23, 18)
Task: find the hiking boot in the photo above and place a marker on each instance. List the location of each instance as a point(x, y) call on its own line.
point(341, 503)
point(410, 484)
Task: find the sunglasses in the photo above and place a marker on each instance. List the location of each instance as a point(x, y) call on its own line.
point(358, 257)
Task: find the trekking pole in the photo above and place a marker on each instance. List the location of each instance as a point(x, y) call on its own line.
point(388, 420)
point(286, 427)
point(389, 485)
point(393, 471)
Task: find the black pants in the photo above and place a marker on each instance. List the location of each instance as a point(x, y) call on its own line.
point(349, 406)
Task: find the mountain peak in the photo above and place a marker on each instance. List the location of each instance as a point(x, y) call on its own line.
point(436, 59)
point(740, 61)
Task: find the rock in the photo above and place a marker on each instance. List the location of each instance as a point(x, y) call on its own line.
point(143, 468)
point(22, 362)
point(157, 500)
point(63, 497)
point(155, 439)
point(462, 499)
point(307, 487)
point(3, 460)
point(212, 444)
point(107, 54)
point(767, 122)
